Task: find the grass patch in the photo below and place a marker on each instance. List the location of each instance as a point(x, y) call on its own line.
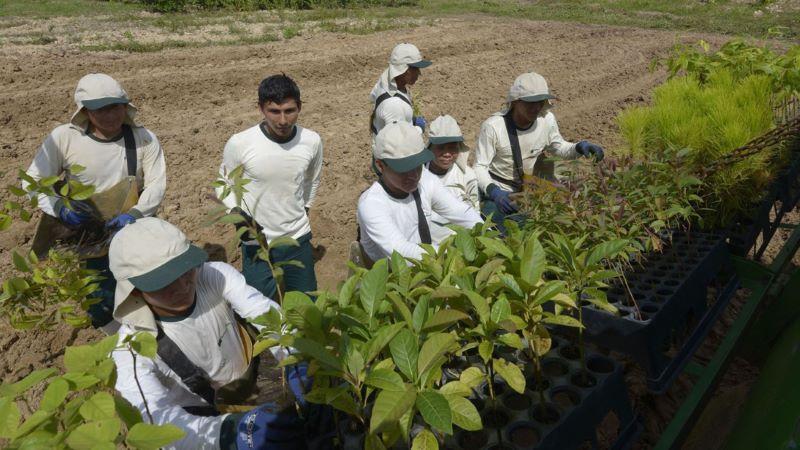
point(291, 31)
point(65, 8)
point(363, 26)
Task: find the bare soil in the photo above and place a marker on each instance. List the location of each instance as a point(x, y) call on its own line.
point(194, 99)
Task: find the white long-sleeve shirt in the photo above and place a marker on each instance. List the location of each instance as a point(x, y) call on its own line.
point(463, 184)
point(284, 178)
point(209, 337)
point(388, 223)
point(493, 153)
point(105, 165)
point(393, 109)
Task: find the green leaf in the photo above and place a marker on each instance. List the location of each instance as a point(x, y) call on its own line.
point(405, 352)
point(501, 309)
point(420, 314)
point(511, 339)
point(355, 362)
point(9, 417)
point(487, 270)
point(317, 352)
point(385, 379)
point(90, 435)
point(381, 339)
point(512, 284)
point(264, 344)
point(444, 317)
point(127, 412)
point(432, 353)
point(425, 440)
point(389, 406)
point(33, 422)
point(446, 292)
point(400, 307)
point(606, 250)
point(145, 344)
point(373, 287)
point(373, 442)
point(54, 395)
point(466, 245)
point(485, 350)
point(456, 388)
point(511, 373)
point(472, 377)
point(33, 378)
point(465, 415)
point(566, 321)
point(19, 262)
point(152, 437)
point(100, 406)
point(283, 241)
point(435, 409)
point(341, 399)
point(533, 262)
point(232, 218)
point(496, 246)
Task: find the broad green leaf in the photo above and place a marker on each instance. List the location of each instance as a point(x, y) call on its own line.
point(604, 305)
point(54, 395)
point(401, 308)
point(485, 349)
point(533, 262)
point(472, 377)
point(347, 289)
point(373, 287)
point(405, 352)
point(79, 381)
point(501, 309)
point(341, 399)
point(317, 352)
point(389, 406)
point(152, 437)
point(456, 388)
point(355, 362)
point(511, 339)
point(446, 292)
point(19, 262)
point(496, 246)
point(425, 440)
point(420, 314)
point(381, 339)
point(433, 350)
point(465, 415)
point(41, 439)
point(90, 435)
point(127, 412)
point(145, 344)
point(232, 218)
point(385, 379)
point(480, 305)
point(566, 321)
point(512, 284)
point(264, 344)
point(34, 421)
point(511, 373)
point(435, 409)
point(9, 417)
point(540, 341)
point(487, 270)
point(283, 241)
point(547, 291)
point(373, 442)
point(466, 244)
point(606, 250)
point(444, 317)
point(33, 378)
point(100, 406)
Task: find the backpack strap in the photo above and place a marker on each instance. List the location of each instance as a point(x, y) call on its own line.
point(378, 101)
point(130, 149)
point(516, 152)
point(192, 376)
point(422, 222)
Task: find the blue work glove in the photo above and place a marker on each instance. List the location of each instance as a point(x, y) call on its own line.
point(265, 427)
point(586, 148)
point(120, 221)
point(75, 217)
point(501, 199)
point(419, 121)
point(299, 381)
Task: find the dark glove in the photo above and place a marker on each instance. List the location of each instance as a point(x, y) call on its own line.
point(120, 221)
point(75, 217)
point(586, 148)
point(501, 199)
point(299, 382)
point(265, 427)
point(419, 121)
point(248, 223)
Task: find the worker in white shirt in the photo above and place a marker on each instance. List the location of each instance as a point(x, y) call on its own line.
point(204, 365)
point(512, 144)
point(284, 162)
point(449, 163)
point(394, 213)
point(103, 138)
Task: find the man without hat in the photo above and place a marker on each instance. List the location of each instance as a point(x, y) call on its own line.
point(395, 213)
point(512, 143)
point(449, 163)
point(391, 96)
point(284, 163)
point(166, 287)
point(103, 138)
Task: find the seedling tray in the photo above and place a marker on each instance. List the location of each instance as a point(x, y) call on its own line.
point(574, 406)
point(672, 296)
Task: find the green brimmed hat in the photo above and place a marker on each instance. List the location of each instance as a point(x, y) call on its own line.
point(400, 146)
point(148, 255)
point(444, 130)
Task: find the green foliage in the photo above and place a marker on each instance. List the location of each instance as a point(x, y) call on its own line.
point(251, 5)
point(80, 408)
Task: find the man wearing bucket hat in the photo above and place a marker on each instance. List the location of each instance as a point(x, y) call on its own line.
point(394, 214)
point(391, 96)
point(283, 162)
point(113, 150)
point(512, 142)
point(165, 287)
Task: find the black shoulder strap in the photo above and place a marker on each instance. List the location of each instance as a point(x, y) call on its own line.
point(130, 149)
point(192, 376)
point(516, 153)
point(424, 230)
point(378, 101)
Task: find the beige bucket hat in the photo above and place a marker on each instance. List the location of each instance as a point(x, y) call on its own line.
point(95, 91)
point(444, 130)
point(148, 255)
point(400, 146)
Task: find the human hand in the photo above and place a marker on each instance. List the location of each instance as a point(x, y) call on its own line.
point(120, 221)
point(502, 200)
point(76, 216)
point(586, 148)
point(419, 121)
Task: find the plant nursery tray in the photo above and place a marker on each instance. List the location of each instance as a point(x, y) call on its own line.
point(674, 310)
point(576, 402)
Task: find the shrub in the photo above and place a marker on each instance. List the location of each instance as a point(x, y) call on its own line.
point(252, 5)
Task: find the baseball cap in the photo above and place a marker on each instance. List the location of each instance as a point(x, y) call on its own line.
point(404, 56)
point(530, 87)
point(400, 146)
point(445, 129)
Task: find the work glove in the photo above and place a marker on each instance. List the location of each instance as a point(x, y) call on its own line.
point(248, 223)
point(501, 199)
point(120, 221)
point(299, 381)
point(586, 148)
point(75, 217)
point(419, 121)
point(265, 427)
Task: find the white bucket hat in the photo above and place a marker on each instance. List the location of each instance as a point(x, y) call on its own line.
point(148, 255)
point(400, 146)
point(445, 129)
point(95, 91)
point(530, 87)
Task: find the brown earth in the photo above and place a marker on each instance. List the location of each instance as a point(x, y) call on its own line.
point(194, 99)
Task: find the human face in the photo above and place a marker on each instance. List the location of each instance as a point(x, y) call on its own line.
point(280, 117)
point(407, 78)
point(445, 154)
point(400, 182)
point(525, 113)
point(107, 121)
point(175, 298)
